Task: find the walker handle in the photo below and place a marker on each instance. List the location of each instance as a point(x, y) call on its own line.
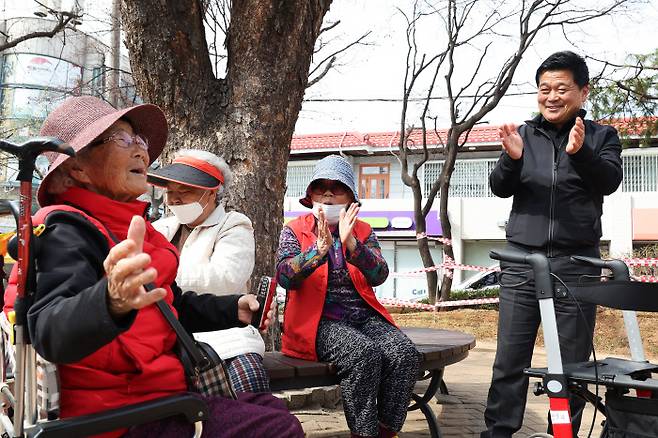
point(540, 267)
point(618, 267)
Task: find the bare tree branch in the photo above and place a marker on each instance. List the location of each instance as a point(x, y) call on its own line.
point(331, 58)
point(63, 20)
point(327, 67)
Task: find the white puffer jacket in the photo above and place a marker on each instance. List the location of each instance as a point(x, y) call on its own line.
point(218, 258)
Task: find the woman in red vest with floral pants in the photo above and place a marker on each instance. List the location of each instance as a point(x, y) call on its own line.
point(329, 261)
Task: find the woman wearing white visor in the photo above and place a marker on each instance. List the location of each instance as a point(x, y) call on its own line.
point(216, 253)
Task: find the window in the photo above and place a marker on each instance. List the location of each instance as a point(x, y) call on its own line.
point(298, 178)
point(97, 81)
point(373, 181)
point(640, 173)
point(470, 178)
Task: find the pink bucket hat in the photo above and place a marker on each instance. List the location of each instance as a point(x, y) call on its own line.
point(80, 120)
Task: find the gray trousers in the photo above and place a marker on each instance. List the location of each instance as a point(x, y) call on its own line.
point(377, 365)
point(518, 322)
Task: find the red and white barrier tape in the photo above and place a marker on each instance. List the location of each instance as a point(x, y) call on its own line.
point(641, 262)
point(422, 306)
point(447, 265)
point(443, 240)
point(473, 302)
point(407, 304)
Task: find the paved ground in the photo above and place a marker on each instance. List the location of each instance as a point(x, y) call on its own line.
point(460, 414)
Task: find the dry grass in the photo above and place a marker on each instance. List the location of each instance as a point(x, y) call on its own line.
point(609, 338)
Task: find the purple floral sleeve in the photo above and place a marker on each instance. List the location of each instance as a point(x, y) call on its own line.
point(368, 258)
point(293, 265)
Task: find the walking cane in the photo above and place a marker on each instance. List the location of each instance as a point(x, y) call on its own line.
point(27, 154)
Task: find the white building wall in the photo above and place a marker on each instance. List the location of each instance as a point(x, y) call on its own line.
point(617, 223)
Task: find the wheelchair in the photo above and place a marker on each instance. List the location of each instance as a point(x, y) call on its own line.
point(36, 394)
point(28, 384)
point(626, 415)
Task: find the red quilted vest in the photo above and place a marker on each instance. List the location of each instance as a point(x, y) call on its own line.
point(139, 364)
point(304, 307)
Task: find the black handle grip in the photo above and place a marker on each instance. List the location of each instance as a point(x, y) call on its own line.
point(508, 256)
point(618, 267)
point(28, 152)
point(540, 267)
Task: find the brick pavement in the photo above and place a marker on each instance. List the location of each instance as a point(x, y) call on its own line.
point(460, 414)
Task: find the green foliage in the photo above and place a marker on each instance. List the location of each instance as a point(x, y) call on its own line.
point(629, 91)
point(491, 292)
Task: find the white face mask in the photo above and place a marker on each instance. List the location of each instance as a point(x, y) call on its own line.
point(187, 213)
point(331, 211)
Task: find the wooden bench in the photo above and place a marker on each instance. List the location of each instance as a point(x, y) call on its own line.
point(439, 348)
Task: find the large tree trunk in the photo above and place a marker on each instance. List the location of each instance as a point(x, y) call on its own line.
point(249, 116)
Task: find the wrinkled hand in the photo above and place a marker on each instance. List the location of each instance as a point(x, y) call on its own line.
point(512, 141)
point(346, 225)
point(248, 304)
point(576, 137)
point(325, 239)
point(127, 271)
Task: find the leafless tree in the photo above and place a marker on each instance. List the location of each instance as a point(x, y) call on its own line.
point(472, 29)
point(326, 54)
point(63, 19)
point(247, 115)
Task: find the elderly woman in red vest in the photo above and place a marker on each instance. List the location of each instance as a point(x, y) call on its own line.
point(92, 315)
point(329, 260)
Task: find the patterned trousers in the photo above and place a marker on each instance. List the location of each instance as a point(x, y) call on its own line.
point(248, 373)
point(377, 365)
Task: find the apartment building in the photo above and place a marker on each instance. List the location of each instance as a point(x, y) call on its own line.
point(477, 217)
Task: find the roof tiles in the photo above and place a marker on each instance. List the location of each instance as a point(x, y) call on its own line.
point(479, 135)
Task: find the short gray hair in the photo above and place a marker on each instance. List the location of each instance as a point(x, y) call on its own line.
point(60, 177)
point(213, 160)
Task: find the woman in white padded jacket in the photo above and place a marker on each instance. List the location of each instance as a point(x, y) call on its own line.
point(216, 253)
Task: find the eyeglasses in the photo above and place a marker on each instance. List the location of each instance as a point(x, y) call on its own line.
point(124, 140)
point(336, 188)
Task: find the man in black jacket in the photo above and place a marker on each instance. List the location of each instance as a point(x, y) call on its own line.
point(557, 167)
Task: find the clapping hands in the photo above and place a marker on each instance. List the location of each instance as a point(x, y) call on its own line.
point(346, 225)
point(512, 141)
point(576, 137)
point(325, 239)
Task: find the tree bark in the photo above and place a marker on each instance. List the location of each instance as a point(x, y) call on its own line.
point(248, 117)
point(446, 227)
point(423, 246)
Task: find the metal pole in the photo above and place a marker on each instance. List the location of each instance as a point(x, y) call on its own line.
point(116, 53)
point(633, 334)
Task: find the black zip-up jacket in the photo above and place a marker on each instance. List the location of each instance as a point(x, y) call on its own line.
point(558, 198)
